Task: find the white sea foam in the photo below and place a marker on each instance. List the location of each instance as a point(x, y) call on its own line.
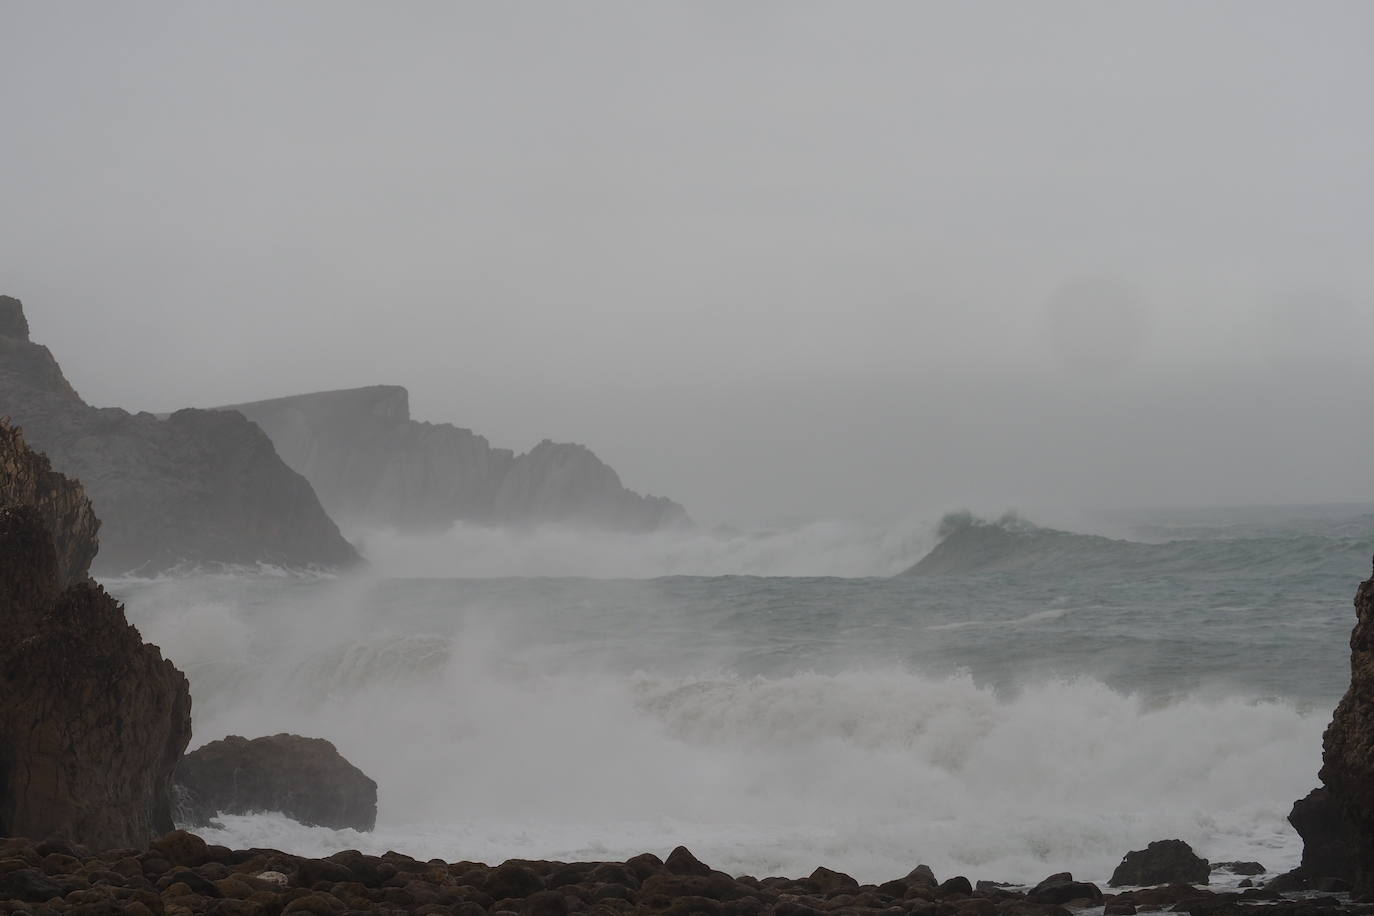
point(486, 747)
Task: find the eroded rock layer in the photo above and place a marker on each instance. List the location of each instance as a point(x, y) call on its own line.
point(92, 719)
point(1340, 824)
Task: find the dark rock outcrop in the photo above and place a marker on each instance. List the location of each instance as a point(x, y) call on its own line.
point(371, 464)
point(182, 877)
point(1161, 862)
point(27, 479)
point(304, 778)
point(92, 719)
point(1336, 821)
point(1062, 888)
point(200, 487)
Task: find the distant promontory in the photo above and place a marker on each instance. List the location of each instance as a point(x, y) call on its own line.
point(372, 465)
point(198, 487)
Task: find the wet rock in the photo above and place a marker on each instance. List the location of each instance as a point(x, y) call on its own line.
point(91, 715)
point(512, 880)
point(1336, 822)
point(1161, 862)
point(921, 874)
point(1061, 888)
point(180, 847)
point(827, 881)
point(681, 862)
point(303, 778)
point(314, 871)
point(644, 865)
point(28, 884)
point(1239, 868)
point(956, 885)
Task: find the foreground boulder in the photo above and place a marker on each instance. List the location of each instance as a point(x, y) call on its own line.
point(1161, 862)
point(92, 719)
point(197, 488)
point(1336, 821)
point(304, 778)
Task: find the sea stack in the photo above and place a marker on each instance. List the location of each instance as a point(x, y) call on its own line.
point(92, 719)
point(197, 488)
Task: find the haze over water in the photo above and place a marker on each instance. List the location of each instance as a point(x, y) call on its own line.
point(776, 261)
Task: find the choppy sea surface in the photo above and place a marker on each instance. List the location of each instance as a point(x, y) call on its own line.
point(779, 701)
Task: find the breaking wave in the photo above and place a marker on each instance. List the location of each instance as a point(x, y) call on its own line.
point(488, 743)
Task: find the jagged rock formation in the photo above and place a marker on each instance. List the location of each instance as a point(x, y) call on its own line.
point(198, 487)
point(303, 778)
point(371, 464)
point(1336, 822)
point(92, 719)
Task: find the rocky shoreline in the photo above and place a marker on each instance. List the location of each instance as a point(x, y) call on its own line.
point(180, 874)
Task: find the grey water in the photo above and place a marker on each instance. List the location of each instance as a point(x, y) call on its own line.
point(1081, 698)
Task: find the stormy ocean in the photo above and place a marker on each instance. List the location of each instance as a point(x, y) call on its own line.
point(783, 700)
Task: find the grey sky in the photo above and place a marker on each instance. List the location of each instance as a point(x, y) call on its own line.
point(770, 259)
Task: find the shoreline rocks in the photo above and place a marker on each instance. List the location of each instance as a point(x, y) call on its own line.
point(181, 875)
point(304, 778)
point(1161, 862)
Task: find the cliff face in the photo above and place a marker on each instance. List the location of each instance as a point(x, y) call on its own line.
point(1337, 824)
point(92, 720)
point(373, 465)
point(198, 487)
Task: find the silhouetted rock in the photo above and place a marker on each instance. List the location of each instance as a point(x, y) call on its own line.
point(92, 719)
point(1161, 862)
point(303, 778)
point(1061, 888)
point(1336, 821)
point(200, 487)
point(681, 862)
point(371, 464)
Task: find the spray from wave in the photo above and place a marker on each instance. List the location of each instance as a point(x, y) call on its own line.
point(822, 548)
point(493, 736)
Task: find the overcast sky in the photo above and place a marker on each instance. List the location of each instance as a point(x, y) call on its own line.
point(774, 260)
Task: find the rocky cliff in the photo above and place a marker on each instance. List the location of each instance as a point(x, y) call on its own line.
point(198, 487)
point(92, 720)
point(371, 464)
point(1336, 822)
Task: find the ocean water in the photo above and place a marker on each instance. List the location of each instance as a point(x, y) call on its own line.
point(780, 701)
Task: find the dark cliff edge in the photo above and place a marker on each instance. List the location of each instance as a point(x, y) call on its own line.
point(197, 488)
point(1336, 821)
point(92, 719)
point(371, 464)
